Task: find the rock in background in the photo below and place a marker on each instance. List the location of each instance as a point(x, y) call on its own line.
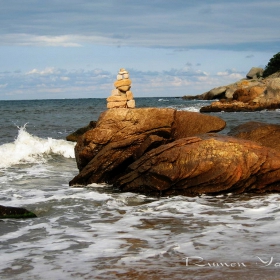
point(121, 96)
point(253, 93)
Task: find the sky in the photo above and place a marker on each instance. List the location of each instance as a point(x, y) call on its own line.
point(74, 48)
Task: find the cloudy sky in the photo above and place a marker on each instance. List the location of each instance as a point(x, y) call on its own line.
point(74, 48)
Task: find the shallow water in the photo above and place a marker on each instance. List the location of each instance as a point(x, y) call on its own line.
point(99, 233)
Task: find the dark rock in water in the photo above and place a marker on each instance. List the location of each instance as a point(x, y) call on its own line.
point(263, 133)
point(73, 137)
point(123, 135)
point(207, 164)
point(7, 212)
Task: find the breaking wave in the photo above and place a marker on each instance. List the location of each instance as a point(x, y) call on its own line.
point(31, 149)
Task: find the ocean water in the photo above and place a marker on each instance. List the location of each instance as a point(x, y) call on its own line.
point(99, 233)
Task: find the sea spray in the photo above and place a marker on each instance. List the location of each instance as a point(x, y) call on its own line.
point(28, 148)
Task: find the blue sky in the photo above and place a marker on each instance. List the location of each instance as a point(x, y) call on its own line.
point(74, 48)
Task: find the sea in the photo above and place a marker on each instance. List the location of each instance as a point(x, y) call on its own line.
point(96, 232)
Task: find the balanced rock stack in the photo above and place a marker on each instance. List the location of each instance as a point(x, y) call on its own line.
point(121, 96)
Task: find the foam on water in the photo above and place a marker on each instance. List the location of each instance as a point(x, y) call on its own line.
point(86, 233)
point(31, 149)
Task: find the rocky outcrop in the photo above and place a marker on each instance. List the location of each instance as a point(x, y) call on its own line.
point(251, 94)
point(215, 93)
point(73, 137)
point(122, 136)
point(265, 134)
point(246, 95)
point(237, 107)
point(208, 164)
point(227, 92)
point(7, 212)
point(121, 96)
point(255, 73)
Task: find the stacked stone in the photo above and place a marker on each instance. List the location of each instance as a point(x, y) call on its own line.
point(121, 96)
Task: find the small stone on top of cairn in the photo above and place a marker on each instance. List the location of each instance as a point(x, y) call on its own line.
point(121, 96)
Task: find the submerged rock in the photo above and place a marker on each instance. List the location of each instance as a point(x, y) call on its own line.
point(122, 136)
point(208, 164)
point(7, 212)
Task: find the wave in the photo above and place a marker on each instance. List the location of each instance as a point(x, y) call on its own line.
point(32, 149)
point(191, 109)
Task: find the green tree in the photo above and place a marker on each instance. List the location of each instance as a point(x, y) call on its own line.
point(272, 66)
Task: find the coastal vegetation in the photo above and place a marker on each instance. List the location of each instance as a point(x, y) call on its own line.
point(273, 65)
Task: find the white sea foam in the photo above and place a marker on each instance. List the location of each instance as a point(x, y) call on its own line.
point(192, 109)
point(31, 149)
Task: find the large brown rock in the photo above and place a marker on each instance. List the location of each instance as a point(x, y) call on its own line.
point(123, 135)
point(190, 123)
point(208, 164)
point(263, 133)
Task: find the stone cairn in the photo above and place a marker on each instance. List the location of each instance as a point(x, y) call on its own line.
point(121, 96)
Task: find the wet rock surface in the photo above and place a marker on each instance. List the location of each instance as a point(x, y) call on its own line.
point(265, 134)
point(207, 164)
point(122, 136)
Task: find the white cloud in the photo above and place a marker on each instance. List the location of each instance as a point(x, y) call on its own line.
point(46, 71)
point(230, 74)
point(64, 41)
point(64, 78)
point(63, 83)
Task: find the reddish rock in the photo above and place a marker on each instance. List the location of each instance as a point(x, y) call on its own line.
point(123, 135)
point(247, 95)
point(190, 123)
point(263, 133)
point(209, 164)
point(238, 106)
